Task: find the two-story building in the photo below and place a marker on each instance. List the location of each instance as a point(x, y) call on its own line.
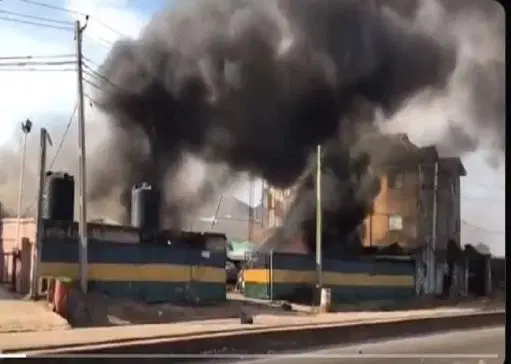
point(419, 199)
point(404, 209)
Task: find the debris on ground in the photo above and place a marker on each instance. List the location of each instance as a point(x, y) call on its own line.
point(99, 310)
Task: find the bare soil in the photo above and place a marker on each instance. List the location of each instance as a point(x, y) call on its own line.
point(98, 310)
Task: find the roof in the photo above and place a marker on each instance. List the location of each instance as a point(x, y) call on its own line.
point(401, 150)
point(238, 250)
point(454, 164)
point(474, 252)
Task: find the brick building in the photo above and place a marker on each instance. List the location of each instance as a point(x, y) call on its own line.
point(404, 209)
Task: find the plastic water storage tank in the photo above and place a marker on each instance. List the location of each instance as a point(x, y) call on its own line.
point(145, 207)
point(59, 196)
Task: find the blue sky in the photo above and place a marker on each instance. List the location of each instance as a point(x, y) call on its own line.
point(49, 97)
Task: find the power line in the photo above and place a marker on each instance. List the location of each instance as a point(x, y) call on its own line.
point(23, 69)
point(20, 21)
point(98, 40)
point(97, 75)
point(28, 16)
point(75, 12)
point(91, 62)
point(37, 63)
point(57, 152)
point(102, 42)
point(475, 226)
point(90, 83)
point(13, 58)
point(63, 138)
point(54, 7)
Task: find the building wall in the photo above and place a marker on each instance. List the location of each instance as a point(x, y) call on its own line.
point(146, 272)
point(291, 277)
point(395, 215)
point(27, 237)
point(277, 203)
point(404, 209)
point(449, 202)
point(8, 232)
point(114, 233)
point(8, 244)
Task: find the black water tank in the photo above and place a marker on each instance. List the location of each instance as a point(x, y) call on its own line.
point(145, 207)
point(59, 196)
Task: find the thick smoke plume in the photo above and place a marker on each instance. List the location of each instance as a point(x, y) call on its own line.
point(254, 86)
point(221, 88)
point(470, 112)
point(61, 156)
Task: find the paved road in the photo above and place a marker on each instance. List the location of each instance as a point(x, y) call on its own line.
point(464, 347)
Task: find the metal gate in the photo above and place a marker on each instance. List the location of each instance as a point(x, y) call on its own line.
point(9, 268)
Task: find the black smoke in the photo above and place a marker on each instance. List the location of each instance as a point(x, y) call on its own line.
point(478, 27)
point(256, 85)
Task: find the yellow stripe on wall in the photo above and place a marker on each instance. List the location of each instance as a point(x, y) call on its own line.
point(136, 272)
point(329, 278)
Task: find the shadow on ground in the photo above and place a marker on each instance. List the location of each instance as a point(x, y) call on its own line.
point(96, 310)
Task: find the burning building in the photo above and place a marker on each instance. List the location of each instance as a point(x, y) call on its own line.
point(413, 192)
point(250, 88)
point(408, 199)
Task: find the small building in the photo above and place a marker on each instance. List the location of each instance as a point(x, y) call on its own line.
point(27, 238)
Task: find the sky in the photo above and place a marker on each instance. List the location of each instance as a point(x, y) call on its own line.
point(49, 97)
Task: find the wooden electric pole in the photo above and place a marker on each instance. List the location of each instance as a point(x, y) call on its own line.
point(36, 249)
point(319, 229)
point(82, 186)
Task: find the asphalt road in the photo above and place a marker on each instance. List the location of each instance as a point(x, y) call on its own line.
point(482, 346)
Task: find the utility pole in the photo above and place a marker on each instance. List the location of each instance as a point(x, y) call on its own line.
point(26, 128)
point(434, 226)
point(264, 203)
point(319, 229)
point(217, 211)
point(82, 186)
point(44, 140)
point(251, 209)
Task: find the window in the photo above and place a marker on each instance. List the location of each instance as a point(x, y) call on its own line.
point(395, 180)
point(395, 223)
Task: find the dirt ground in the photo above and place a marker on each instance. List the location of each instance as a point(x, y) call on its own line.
point(18, 314)
point(97, 310)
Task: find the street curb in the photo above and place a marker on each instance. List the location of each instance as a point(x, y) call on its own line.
point(32, 346)
point(274, 339)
